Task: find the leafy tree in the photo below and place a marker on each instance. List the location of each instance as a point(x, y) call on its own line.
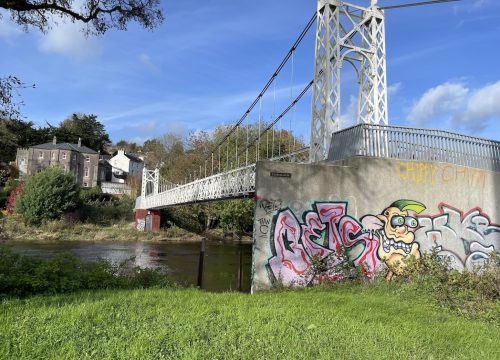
point(156, 154)
point(236, 215)
point(84, 127)
point(47, 195)
point(16, 133)
point(128, 147)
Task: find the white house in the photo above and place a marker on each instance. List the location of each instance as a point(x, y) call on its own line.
point(124, 166)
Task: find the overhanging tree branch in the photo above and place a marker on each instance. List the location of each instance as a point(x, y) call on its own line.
point(99, 15)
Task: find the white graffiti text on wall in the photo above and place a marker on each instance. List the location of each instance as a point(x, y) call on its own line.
point(465, 239)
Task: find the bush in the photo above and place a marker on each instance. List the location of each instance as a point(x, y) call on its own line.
point(236, 215)
point(11, 199)
point(21, 276)
point(104, 209)
point(47, 195)
point(472, 293)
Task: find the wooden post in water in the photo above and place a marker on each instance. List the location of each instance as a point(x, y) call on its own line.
point(240, 272)
point(200, 264)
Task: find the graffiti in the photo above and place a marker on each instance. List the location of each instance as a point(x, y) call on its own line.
point(465, 239)
point(270, 206)
point(141, 224)
point(323, 234)
point(395, 229)
point(263, 225)
point(432, 174)
point(379, 241)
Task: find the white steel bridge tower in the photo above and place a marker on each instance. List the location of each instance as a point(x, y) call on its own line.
point(354, 35)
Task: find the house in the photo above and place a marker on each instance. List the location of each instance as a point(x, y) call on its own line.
point(126, 166)
point(77, 159)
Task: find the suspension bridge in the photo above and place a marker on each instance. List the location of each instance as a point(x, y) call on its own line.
point(344, 34)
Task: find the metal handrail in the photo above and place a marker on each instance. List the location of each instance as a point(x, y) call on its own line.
point(408, 143)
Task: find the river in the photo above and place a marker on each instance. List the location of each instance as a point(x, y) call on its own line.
point(179, 260)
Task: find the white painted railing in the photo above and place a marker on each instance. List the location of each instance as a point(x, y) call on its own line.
point(415, 144)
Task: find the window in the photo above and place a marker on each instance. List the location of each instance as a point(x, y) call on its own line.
point(64, 155)
point(22, 161)
point(87, 158)
point(86, 172)
point(53, 155)
point(86, 184)
point(40, 154)
point(74, 157)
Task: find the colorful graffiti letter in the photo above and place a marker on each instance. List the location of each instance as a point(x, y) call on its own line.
point(466, 240)
point(324, 234)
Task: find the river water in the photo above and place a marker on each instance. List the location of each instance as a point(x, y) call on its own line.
point(179, 260)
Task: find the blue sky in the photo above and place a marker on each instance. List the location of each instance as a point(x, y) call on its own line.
point(208, 61)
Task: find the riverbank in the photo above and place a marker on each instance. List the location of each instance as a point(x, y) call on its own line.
point(379, 321)
point(13, 229)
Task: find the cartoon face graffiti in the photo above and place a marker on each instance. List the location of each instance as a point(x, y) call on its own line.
point(395, 228)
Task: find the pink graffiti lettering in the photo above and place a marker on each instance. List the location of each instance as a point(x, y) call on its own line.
point(327, 232)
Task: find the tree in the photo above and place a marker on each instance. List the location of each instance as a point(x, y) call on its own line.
point(48, 195)
point(85, 127)
point(9, 87)
point(18, 134)
point(98, 15)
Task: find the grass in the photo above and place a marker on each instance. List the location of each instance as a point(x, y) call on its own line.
point(12, 228)
point(379, 321)
point(59, 230)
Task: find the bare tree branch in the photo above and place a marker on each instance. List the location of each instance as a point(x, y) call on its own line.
point(99, 15)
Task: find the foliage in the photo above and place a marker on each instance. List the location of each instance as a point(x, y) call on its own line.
point(375, 321)
point(104, 209)
point(13, 195)
point(472, 293)
point(48, 195)
point(19, 134)
point(23, 276)
point(85, 127)
point(99, 16)
point(9, 87)
point(236, 215)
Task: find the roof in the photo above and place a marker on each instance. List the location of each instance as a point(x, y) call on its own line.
point(65, 146)
point(133, 157)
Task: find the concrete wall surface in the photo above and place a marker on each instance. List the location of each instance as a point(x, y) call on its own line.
point(374, 212)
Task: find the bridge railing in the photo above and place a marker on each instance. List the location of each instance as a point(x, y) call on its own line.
point(415, 144)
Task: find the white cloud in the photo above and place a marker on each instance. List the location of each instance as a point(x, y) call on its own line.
point(349, 118)
point(482, 105)
point(458, 106)
point(438, 101)
point(394, 88)
point(146, 61)
point(66, 38)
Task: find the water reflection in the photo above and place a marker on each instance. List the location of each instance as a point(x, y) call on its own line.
point(180, 260)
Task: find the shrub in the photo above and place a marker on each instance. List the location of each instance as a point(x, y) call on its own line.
point(11, 199)
point(104, 209)
point(21, 276)
point(472, 293)
point(47, 195)
point(236, 215)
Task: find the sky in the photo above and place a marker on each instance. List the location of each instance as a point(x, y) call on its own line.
point(207, 62)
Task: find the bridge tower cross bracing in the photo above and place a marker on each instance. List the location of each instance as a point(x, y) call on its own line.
point(356, 35)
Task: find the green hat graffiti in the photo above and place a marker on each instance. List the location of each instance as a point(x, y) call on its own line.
point(412, 205)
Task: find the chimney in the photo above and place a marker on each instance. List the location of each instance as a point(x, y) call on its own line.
point(54, 140)
point(79, 142)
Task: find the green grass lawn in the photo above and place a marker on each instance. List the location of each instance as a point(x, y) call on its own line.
point(349, 322)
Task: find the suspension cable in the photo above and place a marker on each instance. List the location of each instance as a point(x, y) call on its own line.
point(416, 4)
point(271, 80)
